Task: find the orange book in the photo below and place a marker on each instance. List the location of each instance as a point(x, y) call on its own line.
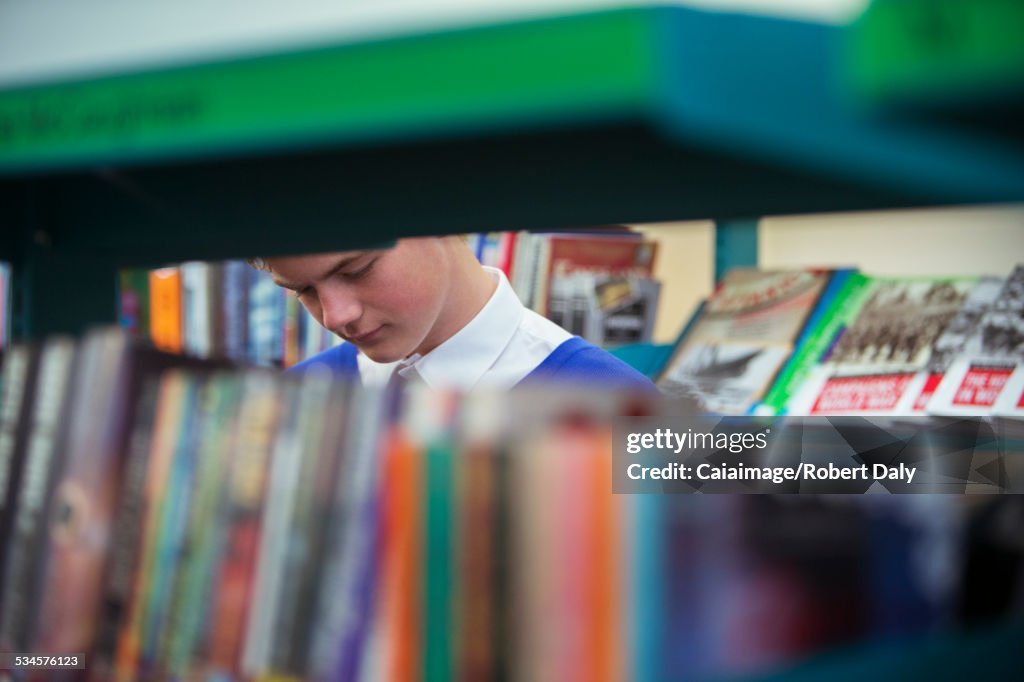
point(401, 557)
point(605, 586)
point(165, 309)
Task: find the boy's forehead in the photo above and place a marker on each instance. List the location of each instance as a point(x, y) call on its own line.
point(300, 270)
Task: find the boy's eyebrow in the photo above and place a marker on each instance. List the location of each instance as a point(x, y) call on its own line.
point(342, 262)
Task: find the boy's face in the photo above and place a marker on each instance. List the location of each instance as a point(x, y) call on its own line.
point(386, 302)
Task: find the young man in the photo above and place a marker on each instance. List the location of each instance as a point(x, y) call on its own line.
point(426, 310)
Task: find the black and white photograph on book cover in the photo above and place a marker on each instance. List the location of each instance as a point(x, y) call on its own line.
point(724, 377)
point(991, 352)
point(899, 324)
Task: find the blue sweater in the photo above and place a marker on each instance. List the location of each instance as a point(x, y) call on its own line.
point(574, 362)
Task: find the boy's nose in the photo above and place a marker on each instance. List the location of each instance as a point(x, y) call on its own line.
point(339, 309)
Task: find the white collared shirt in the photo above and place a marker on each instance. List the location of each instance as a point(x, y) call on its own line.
point(497, 348)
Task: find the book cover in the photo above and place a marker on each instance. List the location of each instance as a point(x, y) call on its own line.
point(165, 309)
point(1010, 402)
point(876, 363)
point(600, 287)
point(977, 375)
point(746, 331)
point(949, 345)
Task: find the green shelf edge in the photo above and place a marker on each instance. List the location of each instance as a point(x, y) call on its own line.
point(937, 51)
point(544, 70)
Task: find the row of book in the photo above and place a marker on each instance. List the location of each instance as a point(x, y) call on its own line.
point(189, 522)
point(228, 310)
point(598, 286)
point(841, 342)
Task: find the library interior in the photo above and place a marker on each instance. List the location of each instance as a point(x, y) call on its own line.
point(792, 216)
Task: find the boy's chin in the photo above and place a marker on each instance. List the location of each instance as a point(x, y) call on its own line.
point(382, 355)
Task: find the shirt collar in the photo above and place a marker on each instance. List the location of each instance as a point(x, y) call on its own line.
point(462, 360)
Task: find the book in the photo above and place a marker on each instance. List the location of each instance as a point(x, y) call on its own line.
point(745, 333)
point(125, 536)
point(1010, 402)
point(17, 391)
point(881, 348)
point(44, 441)
point(170, 409)
point(976, 376)
point(599, 287)
point(259, 415)
point(165, 309)
point(133, 302)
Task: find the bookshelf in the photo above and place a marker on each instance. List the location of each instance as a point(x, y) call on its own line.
point(695, 114)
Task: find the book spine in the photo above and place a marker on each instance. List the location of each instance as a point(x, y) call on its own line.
point(169, 415)
point(285, 461)
point(326, 508)
point(170, 544)
point(134, 302)
point(215, 310)
point(165, 314)
point(42, 463)
point(475, 615)
point(218, 402)
point(125, 538)
point(258, 422)
point(292, 348)
point(16, 380)
point(300, 538)
point(266, 329)
point(352, 574)
point(431, 417)
point(346, 593)
point(196, 313)
point(235, 309)
point(817, 345)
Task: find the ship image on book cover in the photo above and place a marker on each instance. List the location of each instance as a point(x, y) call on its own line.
point(876, 360)
point(745, 333)
point(989, 356)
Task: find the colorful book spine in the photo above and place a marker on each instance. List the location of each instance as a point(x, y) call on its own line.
point(204, 549)
point(171, 406)
point(165, 313)
point(246, 494)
